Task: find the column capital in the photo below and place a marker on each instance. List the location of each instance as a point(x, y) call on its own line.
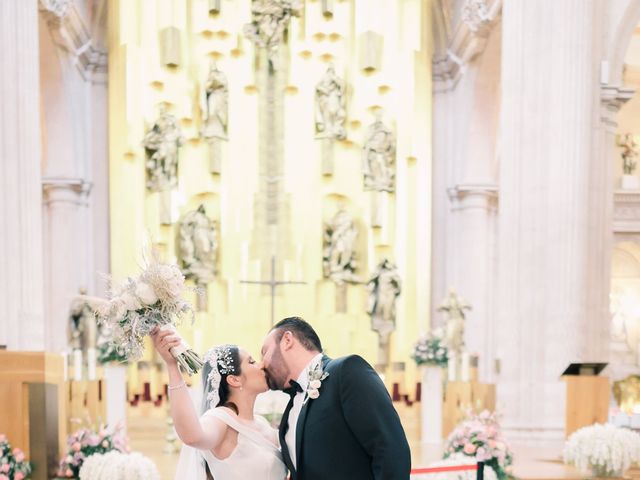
point(469, 39)
point(74, 191)
point(612, 98)
point(70, 33)
point(468, 196)
point(55, 10)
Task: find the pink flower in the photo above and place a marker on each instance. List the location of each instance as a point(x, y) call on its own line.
point(3, 438)
point(4, 477)
point(105, 444)
point(18, 476)
point(76, 446)
point(469, 449)
point(68, 473)
point(20, 457)
point(5, 468)
point(482, 455)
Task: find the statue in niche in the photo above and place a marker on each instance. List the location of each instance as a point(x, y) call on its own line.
point(454, 306)
point(270, 19)
point(161, 145)
point(379, 156)
point(82, 328)
point(216, 96)
point(384, 288)
point(629, 153)
point(198, 246)
point(339, 256)
point(330, 109)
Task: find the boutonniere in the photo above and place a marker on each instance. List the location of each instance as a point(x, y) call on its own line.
point(316, 376)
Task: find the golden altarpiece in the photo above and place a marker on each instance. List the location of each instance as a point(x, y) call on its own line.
point(283, 114)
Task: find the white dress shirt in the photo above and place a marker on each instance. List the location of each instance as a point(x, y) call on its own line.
point(298, 401)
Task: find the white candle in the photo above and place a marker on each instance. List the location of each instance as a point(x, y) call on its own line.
point(465, 372)
point(451, 367)
point(91, 363)
point(65, 366)
point(77, 365)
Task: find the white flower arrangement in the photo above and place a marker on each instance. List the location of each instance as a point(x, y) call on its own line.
point(459, 459)
point(431, 350)
point(152, 299)
point(115, 465)
point(316, 376)
point(604, 450)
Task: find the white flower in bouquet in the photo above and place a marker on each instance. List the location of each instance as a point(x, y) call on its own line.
point(130, 302)
point(153, 299)
point(145, 293)
point(604, 450)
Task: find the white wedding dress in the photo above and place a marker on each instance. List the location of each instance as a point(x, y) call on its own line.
point(255, 456)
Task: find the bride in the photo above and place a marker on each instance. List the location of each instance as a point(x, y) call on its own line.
point(227, 441)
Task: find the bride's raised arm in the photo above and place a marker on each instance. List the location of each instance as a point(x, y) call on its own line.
point(204, 433)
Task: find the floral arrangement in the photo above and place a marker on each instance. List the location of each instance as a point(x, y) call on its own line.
point(115, 465)
point(459, 459)
point(604, 450)
point(109, 352)
point(86, 442)
point(13, 465)
point(153, 299)
point(480, 437)
point(430, 350)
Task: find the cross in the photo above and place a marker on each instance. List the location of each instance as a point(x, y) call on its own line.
point(273, 284)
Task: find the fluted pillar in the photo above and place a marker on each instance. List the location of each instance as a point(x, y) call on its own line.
point(21, 278)
point(552, 298)
point(67, 243)
point(474, 209)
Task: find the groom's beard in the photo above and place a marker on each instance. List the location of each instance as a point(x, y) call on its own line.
point(277, 373)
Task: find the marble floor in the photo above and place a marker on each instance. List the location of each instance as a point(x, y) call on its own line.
point(148, 429)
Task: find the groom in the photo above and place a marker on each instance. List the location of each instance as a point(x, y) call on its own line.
point(340, 423)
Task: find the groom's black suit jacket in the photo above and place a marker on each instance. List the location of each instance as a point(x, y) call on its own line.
point(351, 431)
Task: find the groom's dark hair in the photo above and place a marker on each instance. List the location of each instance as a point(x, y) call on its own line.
point(300, 329)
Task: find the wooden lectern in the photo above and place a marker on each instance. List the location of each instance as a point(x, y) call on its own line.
point(34, 407)
point(587, 399)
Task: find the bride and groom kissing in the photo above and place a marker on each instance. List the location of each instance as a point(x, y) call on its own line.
point(339, 424)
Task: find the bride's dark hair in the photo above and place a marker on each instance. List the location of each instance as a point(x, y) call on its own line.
point(223, 390)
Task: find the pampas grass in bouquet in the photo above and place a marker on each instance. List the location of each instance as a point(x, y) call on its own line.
point(152, 299)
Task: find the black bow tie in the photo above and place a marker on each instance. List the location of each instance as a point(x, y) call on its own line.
point(293, 389)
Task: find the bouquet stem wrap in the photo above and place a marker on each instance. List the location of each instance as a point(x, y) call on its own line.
point(187, 358)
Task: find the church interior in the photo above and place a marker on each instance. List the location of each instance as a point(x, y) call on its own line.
point(447, 188)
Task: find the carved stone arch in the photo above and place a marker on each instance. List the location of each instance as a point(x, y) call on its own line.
point(620, 42)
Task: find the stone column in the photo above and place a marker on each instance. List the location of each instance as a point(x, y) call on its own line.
point(21, 291)
point(67, 243)
point(552, 294)
point(474, 210)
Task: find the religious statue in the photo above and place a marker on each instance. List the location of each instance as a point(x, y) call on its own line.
point(384, 288)
point(82, 327)
point(198, 246)
point(627, 393)
point(216, 99)
point(161, 145)
point(339, 256)
point(629, 153)
point(454, 329)
point(379, 156)
point(330, 109)
point(270, 19)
